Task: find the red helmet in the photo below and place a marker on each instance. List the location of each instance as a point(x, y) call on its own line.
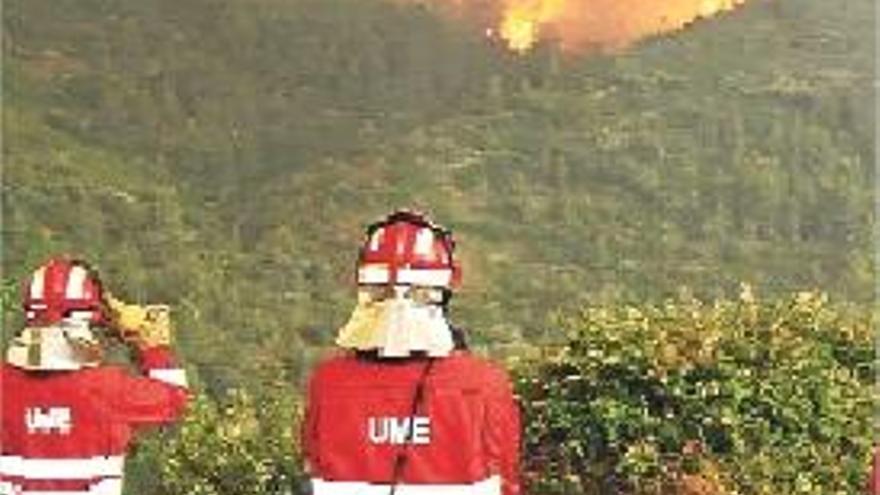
point(406, 248)
point(62, 288)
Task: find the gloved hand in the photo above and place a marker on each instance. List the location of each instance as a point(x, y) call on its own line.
point(142, 326)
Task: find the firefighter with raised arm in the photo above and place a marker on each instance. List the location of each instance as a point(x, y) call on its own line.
point(405, 408)
point(67, 419)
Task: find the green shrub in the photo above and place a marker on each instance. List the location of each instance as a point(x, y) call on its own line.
point(244, 444)
point(739, 397)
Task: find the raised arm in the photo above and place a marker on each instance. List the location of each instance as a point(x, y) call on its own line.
point(160, 394)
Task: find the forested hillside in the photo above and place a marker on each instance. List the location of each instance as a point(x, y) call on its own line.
point(223, 157)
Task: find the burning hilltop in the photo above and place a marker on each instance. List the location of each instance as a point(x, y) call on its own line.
point(578, 25)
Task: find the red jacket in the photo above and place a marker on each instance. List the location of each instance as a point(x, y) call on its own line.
point(464, 440)
point(874, 478)
point(68, 431)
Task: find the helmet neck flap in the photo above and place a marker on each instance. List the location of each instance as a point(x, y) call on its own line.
point(68, 345)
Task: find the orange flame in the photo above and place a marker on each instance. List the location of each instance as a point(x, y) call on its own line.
point(578, 25)
point(598, 24)
point(522, 21)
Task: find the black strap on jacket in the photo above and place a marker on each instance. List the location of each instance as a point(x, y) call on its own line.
point(417, 401)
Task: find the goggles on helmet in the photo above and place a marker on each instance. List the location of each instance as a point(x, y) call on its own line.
point(418, 294)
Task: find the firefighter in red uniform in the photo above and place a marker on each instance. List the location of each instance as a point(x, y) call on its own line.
point(68, 419)
point(406, 409)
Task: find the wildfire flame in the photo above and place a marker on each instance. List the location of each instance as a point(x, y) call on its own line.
point(578, 25)
point(522, 21)
point(602, 24)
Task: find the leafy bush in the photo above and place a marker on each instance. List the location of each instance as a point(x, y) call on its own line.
point(735, 397)
point(244, 444)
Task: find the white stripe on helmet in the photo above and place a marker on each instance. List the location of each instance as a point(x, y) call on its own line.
point(373, 274)
point(376, 239)
point(429, 278)
point(38, 283)
point(424, 242)
point(76, 283)
point(380, 274)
